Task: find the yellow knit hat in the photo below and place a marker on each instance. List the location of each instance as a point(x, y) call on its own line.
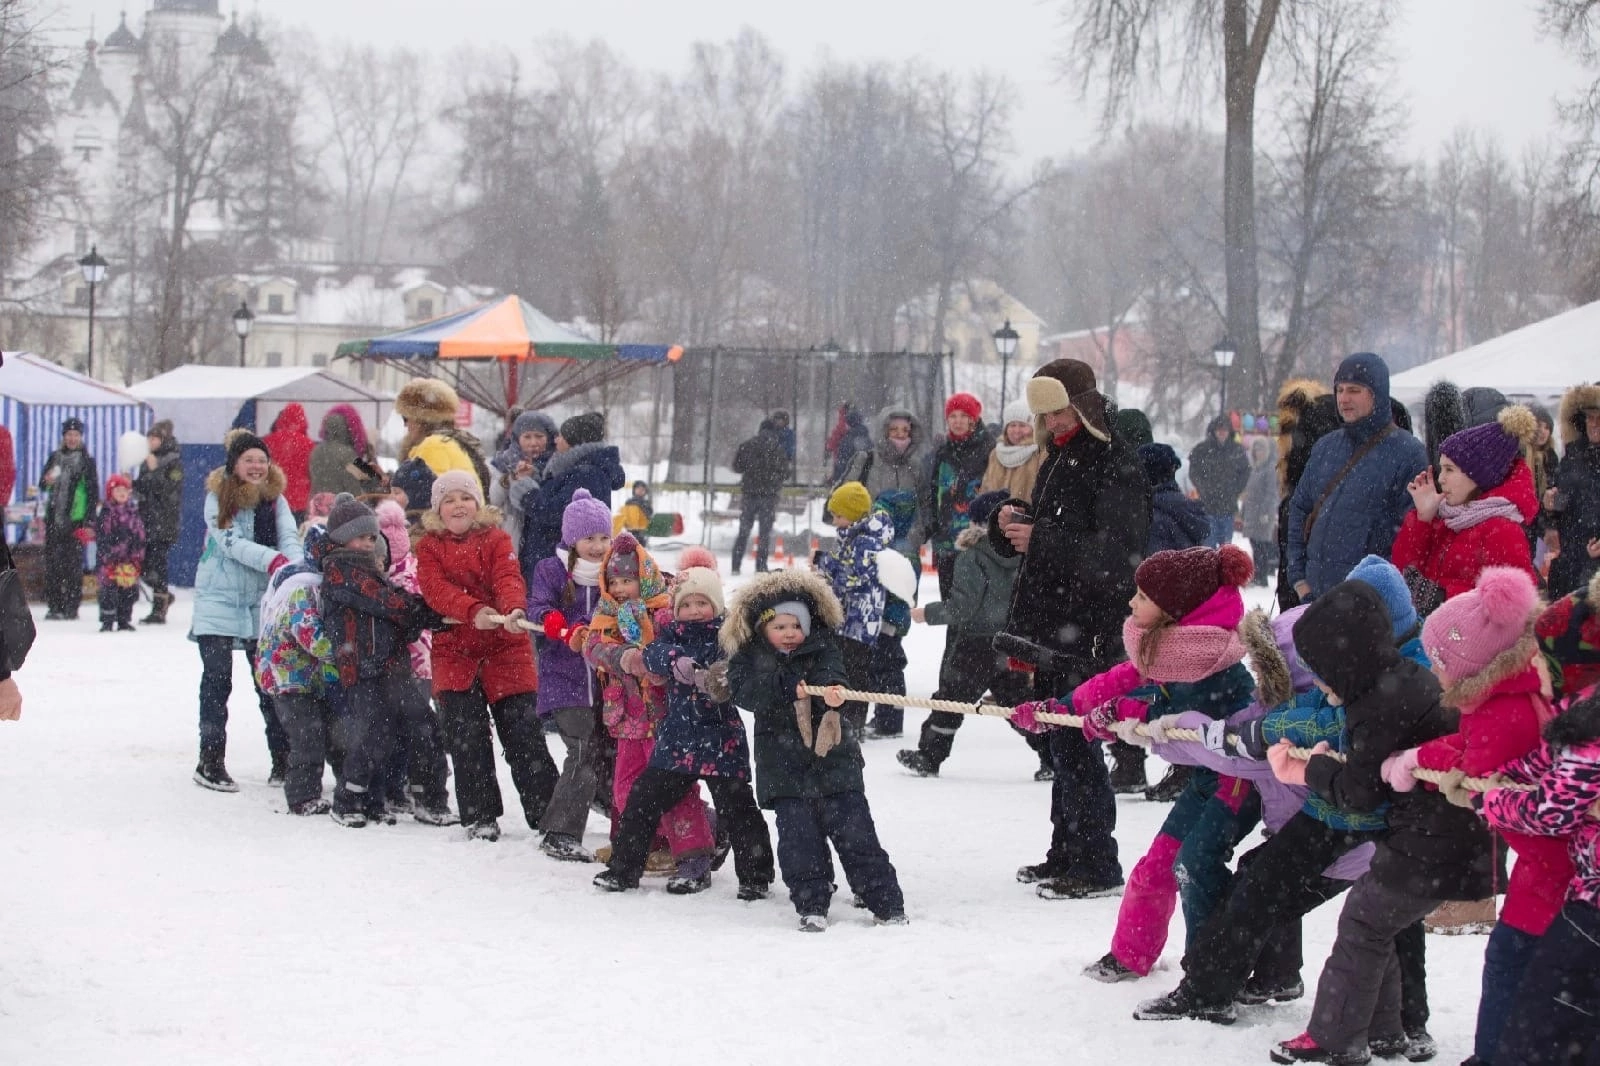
point(850, 501)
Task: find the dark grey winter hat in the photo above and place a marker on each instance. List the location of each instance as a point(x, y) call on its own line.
point(349, 519)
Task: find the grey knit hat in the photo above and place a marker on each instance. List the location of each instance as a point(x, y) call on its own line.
point(349, 519)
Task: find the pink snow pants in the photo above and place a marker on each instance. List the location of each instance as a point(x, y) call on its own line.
point(686, 826)
point(1147, 906)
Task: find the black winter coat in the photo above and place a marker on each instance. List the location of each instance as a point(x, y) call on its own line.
point(763, 683)
point(954, 474)
point(1431, 848)
point(160, 493)
point(1176, 521)
point(1578, 482)
point(1219, 473)
point(369, 621)
point(1091, 508)
point(762, 463)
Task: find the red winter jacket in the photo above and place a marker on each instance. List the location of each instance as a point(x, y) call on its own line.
point(1502, 726)
point(8, 466)
point(1454, 560)
point(460, 576)
point(290, 448)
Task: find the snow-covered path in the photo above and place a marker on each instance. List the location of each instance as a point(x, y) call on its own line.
point(147, 921)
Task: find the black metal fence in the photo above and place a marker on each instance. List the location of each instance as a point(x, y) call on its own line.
point(721, 395)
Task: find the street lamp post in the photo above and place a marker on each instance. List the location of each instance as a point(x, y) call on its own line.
point(93, 267)
point(1223, 354)
point(242, 321)
point(1005, 342)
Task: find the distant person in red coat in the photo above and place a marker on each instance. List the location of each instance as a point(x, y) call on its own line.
point(290, 447)
point(8, 465)
point(1476, 517)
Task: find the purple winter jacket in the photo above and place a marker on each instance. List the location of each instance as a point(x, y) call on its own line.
point(565, 680)
point(1279, 802)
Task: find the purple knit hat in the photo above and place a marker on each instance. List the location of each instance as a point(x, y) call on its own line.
point(1485, 453)
point(585, 516)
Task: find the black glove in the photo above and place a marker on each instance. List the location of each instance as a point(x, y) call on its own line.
point(1426, 596)
point(1252, 742)
point(1024, 650)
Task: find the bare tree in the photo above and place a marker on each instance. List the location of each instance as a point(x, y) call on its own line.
point(30, 166)
point(1125, 41)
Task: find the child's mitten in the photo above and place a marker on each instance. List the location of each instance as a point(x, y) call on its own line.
point(684, 670)
point(714, 682)
point(1397, 770)
point(555, 626)
point(830, 733)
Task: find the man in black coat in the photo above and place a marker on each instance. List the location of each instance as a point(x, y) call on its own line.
point(762, 463)
point(71, 484)
point(1220, 469)
point(159, 485)
point(1082, 535)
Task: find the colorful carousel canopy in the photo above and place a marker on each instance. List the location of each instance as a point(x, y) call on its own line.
point(508, 328)
point(512, 332)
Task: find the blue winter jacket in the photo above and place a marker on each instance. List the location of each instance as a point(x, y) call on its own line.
point(1364, 512)
point(232, 575)
point(595, 466)
point(698, 735)
point(852, 569)
point(1176, 521)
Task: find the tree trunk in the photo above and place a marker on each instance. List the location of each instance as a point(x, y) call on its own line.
point(1243, 49)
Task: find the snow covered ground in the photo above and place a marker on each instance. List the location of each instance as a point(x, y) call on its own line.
point(145, 920)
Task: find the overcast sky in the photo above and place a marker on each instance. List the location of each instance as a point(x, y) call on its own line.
point(1475, 62)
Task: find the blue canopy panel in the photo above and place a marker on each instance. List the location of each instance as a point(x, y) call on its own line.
point(36, 432)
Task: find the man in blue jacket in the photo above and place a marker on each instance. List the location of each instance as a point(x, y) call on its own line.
point(1352, 498)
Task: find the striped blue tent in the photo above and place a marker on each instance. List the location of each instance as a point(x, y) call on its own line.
point(36, 396)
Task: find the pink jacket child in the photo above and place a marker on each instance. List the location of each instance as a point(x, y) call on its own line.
point(1185, 654)
point(403, 572)
point(634, 700)
point(1564, 806)
point(1483, 649)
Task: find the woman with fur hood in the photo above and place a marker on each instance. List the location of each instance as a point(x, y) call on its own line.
point(250, 533)
point(1574, 502)
point(433, 442)
point(1306, 412)
point(1476, 516)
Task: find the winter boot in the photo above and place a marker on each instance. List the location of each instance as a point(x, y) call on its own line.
point(1304, 1049)
point(349, 819)
point(917, 761)
point(1181, 1003)
point(688, 886)
point(1419, 1045)
point(1127, 773)
point(159, 602)
point(1462, 917)
point(897, 918)
point(1171, 786)
point(565, 847)
point(750, 891)
point(1078, 888)
point(813, 923)
point(1110, 970)
point(1253, 994)
point(1043, 871)
point(440, 815)
point(280, 770)
point(210, 773)
point(310, 807)
point(610, 882)
point(487, 831)
point(1045, 772)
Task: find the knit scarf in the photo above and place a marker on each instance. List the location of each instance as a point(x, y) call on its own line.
point(631, 619)
point(1185, 653)
point(1476, 512)
point(1012, 456)
point(584, 571)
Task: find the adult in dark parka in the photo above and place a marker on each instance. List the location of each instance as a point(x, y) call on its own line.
point(582, 461)
point(1090, 519)
point(1219, 469)
point(762, 465)
point(71, 484)
point(159, 485)
point(1575, 513)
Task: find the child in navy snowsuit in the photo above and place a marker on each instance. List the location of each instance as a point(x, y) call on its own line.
point(701, 737)
point(781, 637)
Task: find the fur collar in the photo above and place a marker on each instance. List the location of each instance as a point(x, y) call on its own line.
point(561, 462)
point(487, 517)
point(234, 495)
point(970, 536)
point(775, 586)
point(1468, 692)
point(1273, 682)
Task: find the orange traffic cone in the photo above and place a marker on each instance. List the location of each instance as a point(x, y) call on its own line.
point(777, 551)
point(927, 561)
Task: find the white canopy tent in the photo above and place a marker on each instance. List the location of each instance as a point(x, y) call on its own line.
point(1540, 361)
point(204, 402)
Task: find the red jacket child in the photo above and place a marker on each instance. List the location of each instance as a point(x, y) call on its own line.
point(1455, 542)
point(1482, 646)
point(459, 576)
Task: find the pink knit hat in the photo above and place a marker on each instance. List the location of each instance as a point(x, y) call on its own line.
point(1468, 632)
point(396, 531)
point(585, 516)
point(695, 555)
